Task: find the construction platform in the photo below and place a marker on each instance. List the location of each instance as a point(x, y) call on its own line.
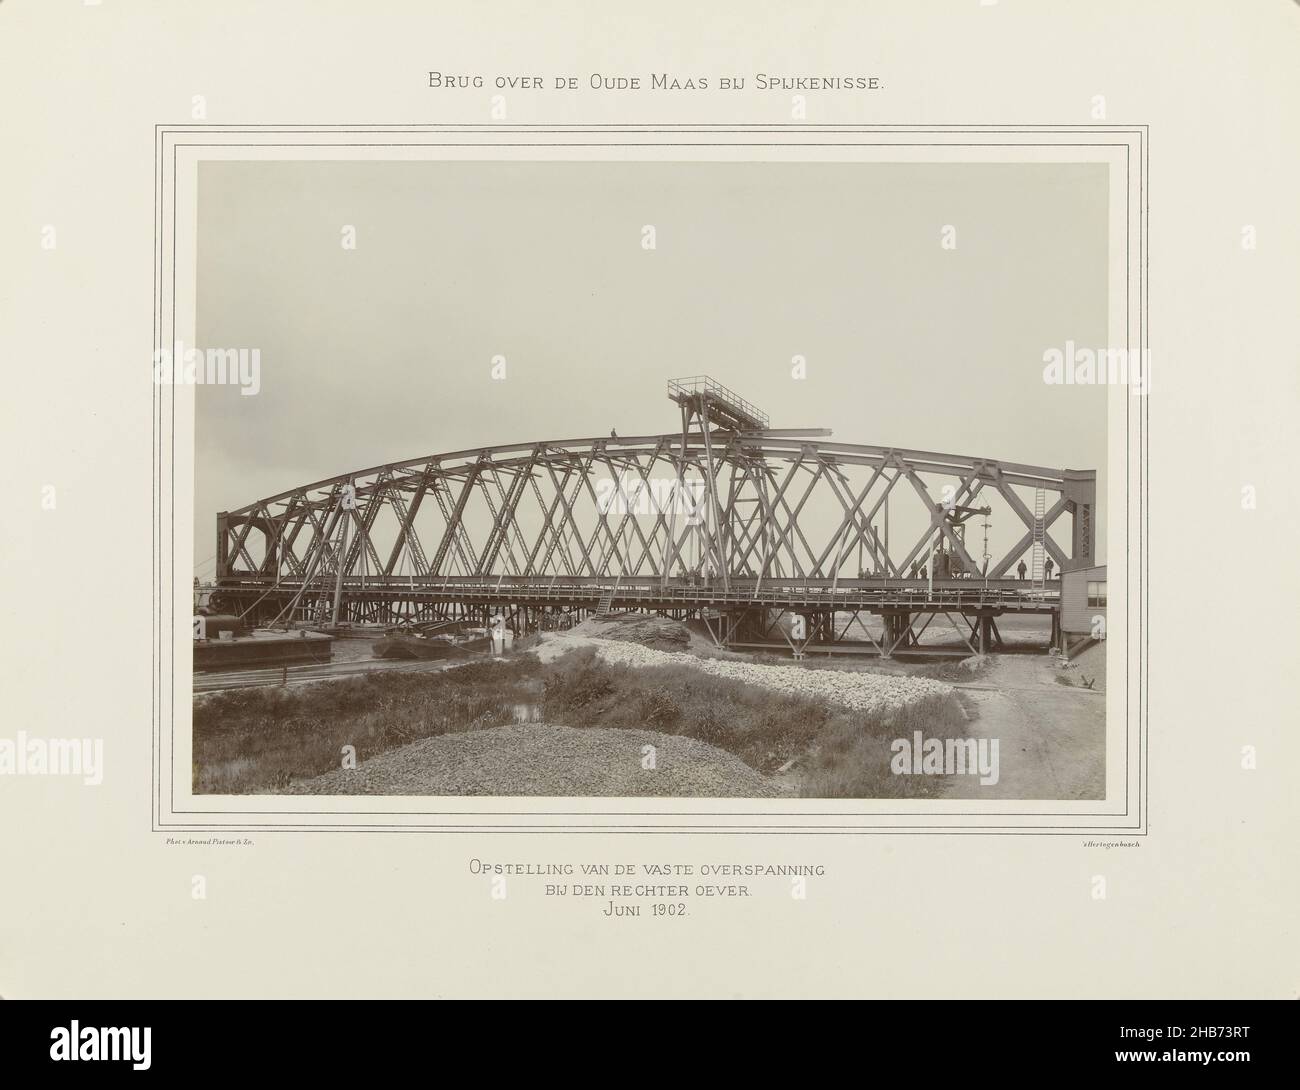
point(737, 617)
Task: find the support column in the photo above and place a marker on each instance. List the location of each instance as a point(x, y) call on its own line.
point(223, 546)
point(898, 624)
point(1080, 494)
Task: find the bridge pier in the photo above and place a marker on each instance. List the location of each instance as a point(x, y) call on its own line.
point(898, 632)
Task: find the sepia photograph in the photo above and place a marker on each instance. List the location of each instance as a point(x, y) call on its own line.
point(771, 480)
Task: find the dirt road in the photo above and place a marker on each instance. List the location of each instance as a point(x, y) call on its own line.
point(1051, 737)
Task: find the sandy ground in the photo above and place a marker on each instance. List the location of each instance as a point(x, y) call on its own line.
point(537, 759)
point(1051, 738)
point(1089, 665)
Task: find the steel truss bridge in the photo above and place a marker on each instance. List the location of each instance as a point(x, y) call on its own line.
point(770, 537)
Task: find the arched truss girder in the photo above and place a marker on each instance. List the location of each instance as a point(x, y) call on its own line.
point(752, 506)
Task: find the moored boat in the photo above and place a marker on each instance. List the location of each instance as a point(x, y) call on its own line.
point(433, 642)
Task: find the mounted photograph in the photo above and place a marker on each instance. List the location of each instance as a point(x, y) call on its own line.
point(775, 479)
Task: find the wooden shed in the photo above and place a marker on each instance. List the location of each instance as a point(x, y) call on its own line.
point(1083, 600)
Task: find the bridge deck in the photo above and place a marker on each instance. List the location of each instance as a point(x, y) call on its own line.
point(875, 596)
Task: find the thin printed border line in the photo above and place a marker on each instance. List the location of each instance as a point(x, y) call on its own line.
point(162, 134)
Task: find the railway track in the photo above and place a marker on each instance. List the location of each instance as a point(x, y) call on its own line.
point(266, 676)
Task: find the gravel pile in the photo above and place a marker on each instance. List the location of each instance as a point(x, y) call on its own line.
point(863, 692)
point(660, 633)
point(537, 759)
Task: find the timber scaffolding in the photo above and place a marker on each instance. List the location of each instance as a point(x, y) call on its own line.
point(834, 618)
point(772, 538)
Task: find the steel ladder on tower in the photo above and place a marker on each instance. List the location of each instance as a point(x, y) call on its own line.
point(1039, 554)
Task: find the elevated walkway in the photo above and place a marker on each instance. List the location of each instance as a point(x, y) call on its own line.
point(714, 402)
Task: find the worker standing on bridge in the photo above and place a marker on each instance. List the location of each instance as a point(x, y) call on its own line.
point(1048, 567)
point(1021, 569)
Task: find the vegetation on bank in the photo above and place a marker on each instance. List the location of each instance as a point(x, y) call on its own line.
point(256, 740)
point(838, 752)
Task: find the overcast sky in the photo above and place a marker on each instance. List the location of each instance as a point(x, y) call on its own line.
point(384, 352)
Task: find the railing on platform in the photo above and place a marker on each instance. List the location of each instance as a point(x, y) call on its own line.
point(703, 384)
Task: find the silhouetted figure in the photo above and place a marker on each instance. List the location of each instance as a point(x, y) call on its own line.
point(1048, 567)
point(1021, 569)
point(613, 434)
point(924, 572)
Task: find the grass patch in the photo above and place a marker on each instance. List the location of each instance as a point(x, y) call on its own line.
point(852, 758)
point(843, 753)
point(763, 729)
point(256, 741)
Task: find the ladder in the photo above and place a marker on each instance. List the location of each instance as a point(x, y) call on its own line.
point(607, 598)
point(1039, 554)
